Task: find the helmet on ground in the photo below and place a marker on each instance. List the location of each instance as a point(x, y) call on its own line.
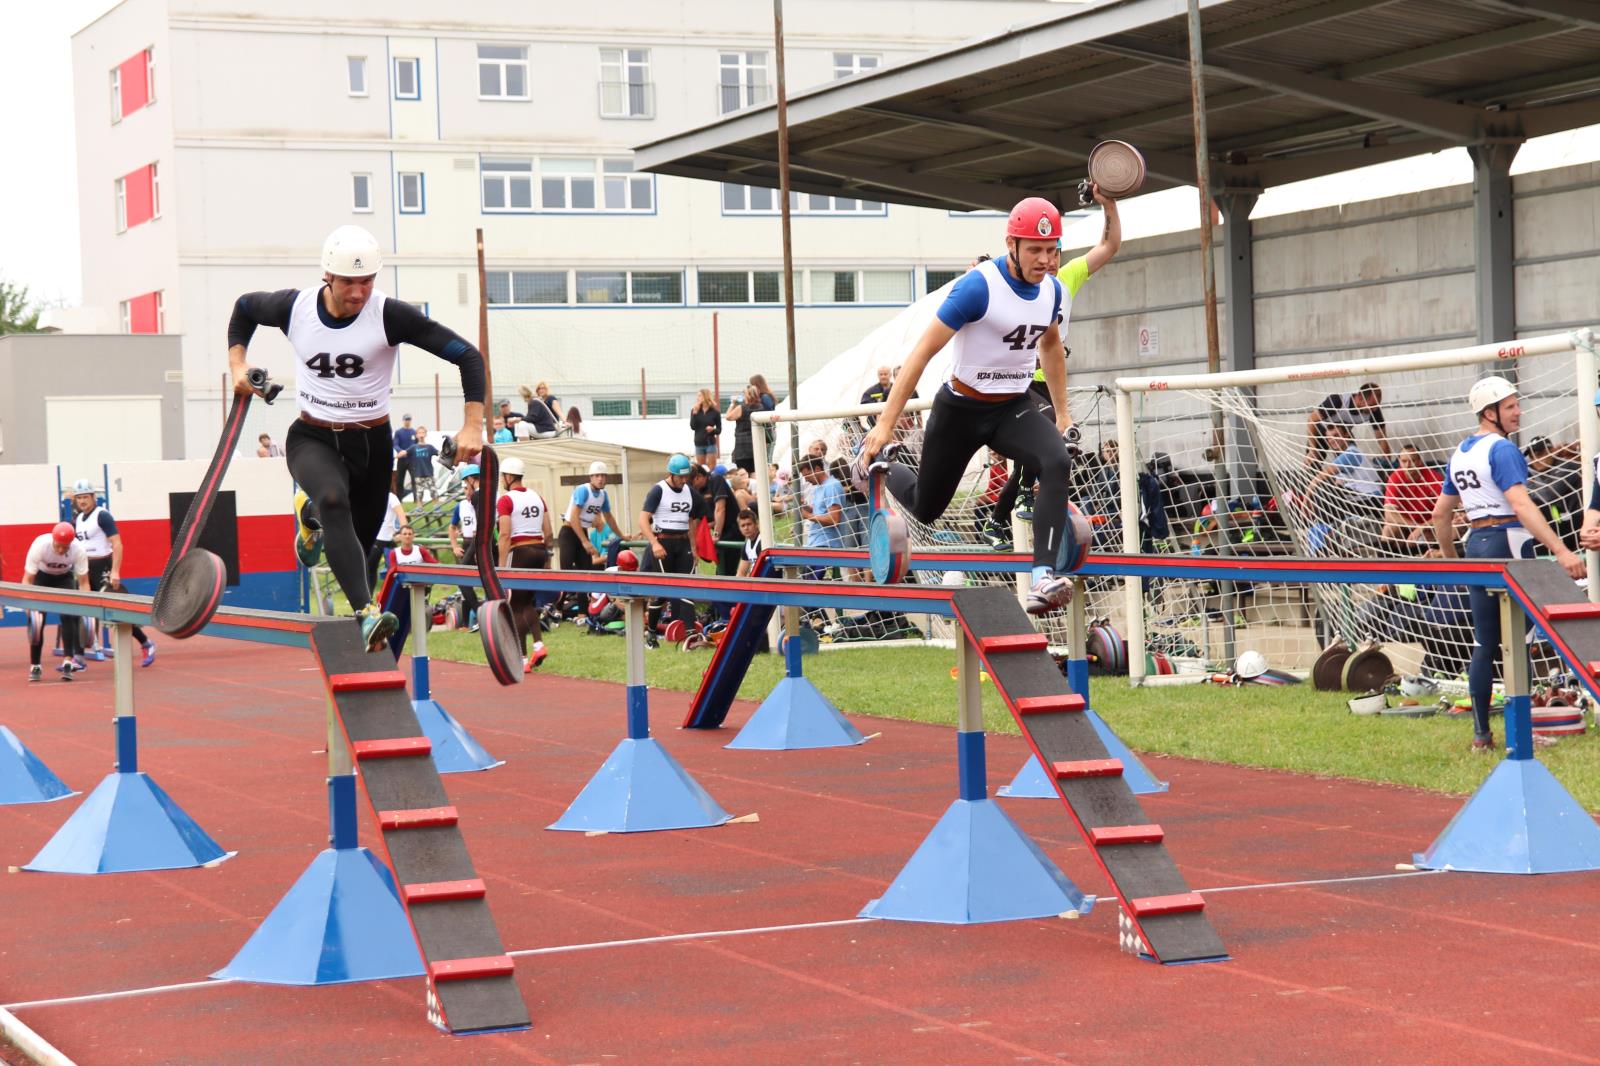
point(1034, 219)
point(1416, 685)
point(679, 464)
point(597, 467)
point(626, 560)
point(469, 470)
point(81, 487)
point(513, 466)
point(63, 534)
point(1486, 392)
point(1250, 664)
point(351, 252)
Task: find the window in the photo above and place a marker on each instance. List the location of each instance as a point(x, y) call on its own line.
point(144, 314)
point(939, 277)
point(502, 72)
point(121, 192)
point(846, 64)
point(133, 85)
point(138, 197)
point(407, 78)
point(412, 199)
point(525, 286)
point(755, 200)
point(741, 286)
point(356, 66)
point(743, 80)
point(625, 190)
point(861, 286)
point(155, 190)
point(625, 89)
point(630, 287)
point(361, 192)
point(603, 408)
point(666, 407)
point(567, 184)
point(507, 184)
point(116, 101)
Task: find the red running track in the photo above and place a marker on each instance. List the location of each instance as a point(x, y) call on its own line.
point(1399, 968)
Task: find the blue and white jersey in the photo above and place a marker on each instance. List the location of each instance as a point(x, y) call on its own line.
point(589, 503)
point(465, 518)
point(998, 322)
point(1480, 471)
point(95, 530)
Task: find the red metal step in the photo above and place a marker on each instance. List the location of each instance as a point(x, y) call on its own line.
point(1087, 768)
point(383, 679)
point(1151, 906)
point(1126, 834)
point(1014, 642)
point(467, 969)
point(398, 748)
point(440, 891)
point(1567, 612)
point(1067, 701)
point(418, 818)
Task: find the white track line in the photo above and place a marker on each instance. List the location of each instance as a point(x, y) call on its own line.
point(126, 993)
point(1322, 881)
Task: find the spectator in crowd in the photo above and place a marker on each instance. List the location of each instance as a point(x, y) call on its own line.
point(739, 412)
point(1555, 482)
point(1347, 467)
point(542, 392)
point(420, 457)
point(404, 438)
point(1408, 497)
point(539, 417)
point(817, 449)
point(705, 420)
point(267, 449)
point(743, 492)
point(750, 530)
point(768, 402)
point(464, 537)
point(822, 510)
point(574, 421)
point(394, 516)
point(878, 392)
point(1347, 409)
point(502, 435)
point(406, 550)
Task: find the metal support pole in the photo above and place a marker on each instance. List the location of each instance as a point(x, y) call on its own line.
point(638, 694)
point(1585, 379)
point(1132, 587)
point(788, 245)
point(1493, 230)
point(970, 760)
point(1239, 254)
point(489, 405)
point(127, 728)
point(1077, 641)
point(420, 683)
point(1514, 677)
point(342, 832)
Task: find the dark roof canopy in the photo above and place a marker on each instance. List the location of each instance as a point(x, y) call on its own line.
point(1294, 89)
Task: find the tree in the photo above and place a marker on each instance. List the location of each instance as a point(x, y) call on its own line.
point(18, 314)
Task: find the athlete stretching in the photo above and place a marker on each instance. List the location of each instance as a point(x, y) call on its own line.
point(344, 333)
point(998, 315)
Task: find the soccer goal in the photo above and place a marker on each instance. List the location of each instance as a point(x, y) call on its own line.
point(1338, 459)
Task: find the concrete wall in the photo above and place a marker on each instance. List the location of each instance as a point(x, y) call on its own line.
point(35, 366)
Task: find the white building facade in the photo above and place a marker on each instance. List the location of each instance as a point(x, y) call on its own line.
point(217, 145)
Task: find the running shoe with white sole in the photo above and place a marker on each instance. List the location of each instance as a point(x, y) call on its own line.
point(149, 653)
point(376, 627)
point(1051, 594)
point(35, 672)
point(307, 531)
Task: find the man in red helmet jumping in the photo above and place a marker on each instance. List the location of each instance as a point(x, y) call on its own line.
point(1005, 317)
point(56, 560)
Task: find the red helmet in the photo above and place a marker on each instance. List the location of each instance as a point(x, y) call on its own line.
point(626, 560)
point(1034, 219)
point(63, 534)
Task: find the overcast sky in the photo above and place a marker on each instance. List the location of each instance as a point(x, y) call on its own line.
point(38, 190)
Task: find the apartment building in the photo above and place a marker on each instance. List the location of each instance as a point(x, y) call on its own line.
point(218, 142)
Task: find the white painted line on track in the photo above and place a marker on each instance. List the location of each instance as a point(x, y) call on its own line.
point(602, 944)
point(1321, 881)
point(127, 993)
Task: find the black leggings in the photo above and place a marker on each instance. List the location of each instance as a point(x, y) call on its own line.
point(524, 606)
point(70, 631)
point(469, 595)
point(957, 428)
point(100, 578)
point(346, 474)
point(679, 560)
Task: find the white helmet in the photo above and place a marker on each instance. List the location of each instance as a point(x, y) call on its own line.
point(82, 487)
point(597, 467)
point(351, 252)
point(513, 466)
point(1417, 685)
point(1486, 392)
point(1250, 664)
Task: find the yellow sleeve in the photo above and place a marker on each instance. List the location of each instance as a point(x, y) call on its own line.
point(1073, 274)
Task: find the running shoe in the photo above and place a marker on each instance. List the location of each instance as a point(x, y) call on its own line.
point(35, 672)
point(98, 656)
point(377, 627)
point(998, 538)
point(1483, 744)
point(1025, 505)
point(307, 531)
point(67, 669)
point(78, 663)
point(1051, 594)
point(149, 653)
point(539, 655)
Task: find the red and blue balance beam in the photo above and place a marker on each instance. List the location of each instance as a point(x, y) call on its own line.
point(234, 623)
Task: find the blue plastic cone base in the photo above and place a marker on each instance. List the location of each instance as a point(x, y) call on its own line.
point(127, 824)
point(1032, 782)
point(641, 788)
point(975, 866)
point(454, 749)
point(796, 715)
point(341, 922)
point(23, 777)
point(1520, 821)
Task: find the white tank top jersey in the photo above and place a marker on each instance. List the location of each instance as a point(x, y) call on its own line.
point(43, 558)
point(1470, 473)
point(527, 515)
point(591, 505)
point(390, 523)
point(997, 353)
point(672, 513)
point(343, 375)
point(94, 540)
point(414, 556)
point(467, 519)
point(752, 550)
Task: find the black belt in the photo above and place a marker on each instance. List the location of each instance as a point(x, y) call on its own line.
point(672, 536)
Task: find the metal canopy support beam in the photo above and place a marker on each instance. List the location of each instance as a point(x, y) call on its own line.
point(975, 194)
point(1493, 230)
point(1240, 294)
point(1573, 12)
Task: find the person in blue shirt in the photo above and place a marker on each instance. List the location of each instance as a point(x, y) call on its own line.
point(404, 438)
point(420, 457)
point(1487, 477)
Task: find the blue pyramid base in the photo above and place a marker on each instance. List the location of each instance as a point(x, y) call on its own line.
point(127, 824)
point(641, 788)
point(454, 749)
point(975, 866)
point(1031, 781)
point(24, 778)
point(341, 922)
point(796, 715)
point(1520, 821)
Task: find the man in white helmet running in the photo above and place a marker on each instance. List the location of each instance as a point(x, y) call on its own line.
point(344, 333)
point(102, 543)
point(1487, 477)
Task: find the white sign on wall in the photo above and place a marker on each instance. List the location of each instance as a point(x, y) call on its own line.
point(1149, 341)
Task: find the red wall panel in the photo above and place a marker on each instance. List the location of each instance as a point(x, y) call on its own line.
point(133, 75)
point(138, 190)
point(143, 316)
